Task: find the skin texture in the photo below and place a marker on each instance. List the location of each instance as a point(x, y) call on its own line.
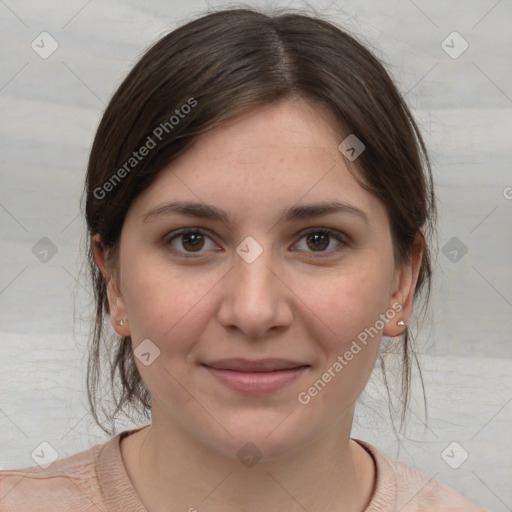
point(294, 301)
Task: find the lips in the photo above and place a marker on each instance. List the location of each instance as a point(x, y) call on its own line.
point(262, 365)
point(255, 377)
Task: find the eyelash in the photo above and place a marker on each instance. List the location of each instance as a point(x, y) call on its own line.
point(320, 230)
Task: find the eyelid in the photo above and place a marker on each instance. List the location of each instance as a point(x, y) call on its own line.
point(339, 236)
point(170, 237)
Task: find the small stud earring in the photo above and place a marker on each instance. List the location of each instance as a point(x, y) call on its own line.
point(121, 322)
point(401, 323)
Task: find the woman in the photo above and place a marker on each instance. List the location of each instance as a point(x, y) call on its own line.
point(259, 204)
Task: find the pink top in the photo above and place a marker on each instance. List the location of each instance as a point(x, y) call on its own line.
point(96, 480)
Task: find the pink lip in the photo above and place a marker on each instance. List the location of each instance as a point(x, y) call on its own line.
point(256, 382)
point(262, 365)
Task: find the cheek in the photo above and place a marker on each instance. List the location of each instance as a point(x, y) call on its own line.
point(352, 302)
point(164, 303)
point(346, 307)
point(351, 307)
point(168, 307)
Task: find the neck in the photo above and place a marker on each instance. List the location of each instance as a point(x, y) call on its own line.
point(168, 466)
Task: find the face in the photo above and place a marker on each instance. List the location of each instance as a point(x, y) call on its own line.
point(260, 283)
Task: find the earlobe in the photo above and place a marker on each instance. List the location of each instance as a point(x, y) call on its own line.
point(398, 324)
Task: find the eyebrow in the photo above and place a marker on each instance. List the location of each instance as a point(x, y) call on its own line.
point(207, 211)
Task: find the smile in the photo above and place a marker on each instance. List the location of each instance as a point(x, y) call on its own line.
point(256, 382)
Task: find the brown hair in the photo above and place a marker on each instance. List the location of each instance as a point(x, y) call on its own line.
point(221, 64)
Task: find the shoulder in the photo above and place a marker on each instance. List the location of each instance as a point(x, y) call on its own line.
point(71, 483)
point(401, 487)
point(66, 480)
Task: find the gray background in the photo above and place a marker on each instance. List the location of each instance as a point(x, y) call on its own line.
point(50, 109)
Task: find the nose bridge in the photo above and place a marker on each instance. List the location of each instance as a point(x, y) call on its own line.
point(253, 266)
point(255, 298)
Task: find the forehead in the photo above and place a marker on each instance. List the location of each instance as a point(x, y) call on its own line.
point(293, 123)
point(272, 157)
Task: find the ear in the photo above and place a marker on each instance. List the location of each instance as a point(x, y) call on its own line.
point(118, 315)
point(404, 286)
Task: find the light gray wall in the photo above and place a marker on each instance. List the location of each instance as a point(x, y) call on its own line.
point(50, 108)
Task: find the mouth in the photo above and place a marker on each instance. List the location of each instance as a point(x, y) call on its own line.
point(255, 377)
point(261, 365)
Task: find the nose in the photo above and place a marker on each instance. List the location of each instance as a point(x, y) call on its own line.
point(256, 298)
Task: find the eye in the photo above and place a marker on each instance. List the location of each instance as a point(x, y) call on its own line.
point(319, 239)
point(192, 240)
point(195, 239)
